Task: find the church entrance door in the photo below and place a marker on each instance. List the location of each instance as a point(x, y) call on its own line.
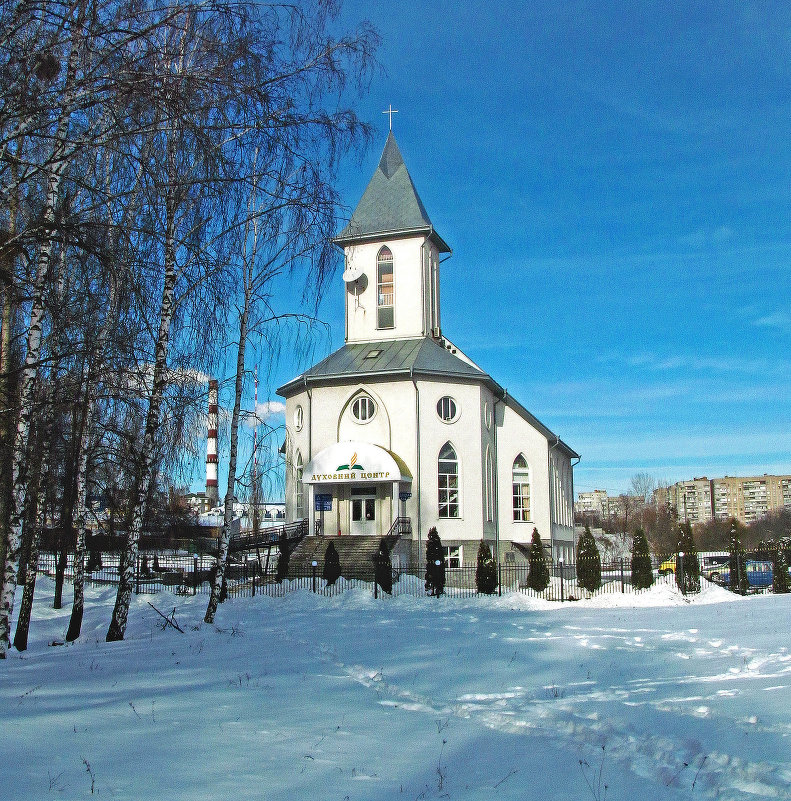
point(363, 520)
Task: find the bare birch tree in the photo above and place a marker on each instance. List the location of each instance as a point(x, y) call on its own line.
point(180, 94)
point(34, 338)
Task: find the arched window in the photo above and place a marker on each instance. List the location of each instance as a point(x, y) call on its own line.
point(299, 488)
point(521, 485)
point(448, 481)
point(385, 289)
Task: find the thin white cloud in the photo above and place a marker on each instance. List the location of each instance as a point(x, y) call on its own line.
point(701, 364)
point(704, 238)
point(780, 320)
point(691, 446)
point(267, 409)
point(263, 412)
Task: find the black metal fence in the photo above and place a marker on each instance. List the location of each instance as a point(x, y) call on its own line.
point(191, 574)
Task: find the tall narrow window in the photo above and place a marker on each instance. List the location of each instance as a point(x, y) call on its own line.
point(448, 480)
point(385, 289)
point(521, 484)
point(299, 489)
point(489, 486)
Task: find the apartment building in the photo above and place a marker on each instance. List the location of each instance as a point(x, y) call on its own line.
point(692, 500)
point(592, 503)
point(751, 498)
point(598, 503)
point(747, 498)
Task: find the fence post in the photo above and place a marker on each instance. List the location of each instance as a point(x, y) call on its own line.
point(499, 580)
point(622, 581)
point(313, 565)
point(137, 574)
point(560, 565)
point(254, 572)
point(376, 587)
point(194, 575)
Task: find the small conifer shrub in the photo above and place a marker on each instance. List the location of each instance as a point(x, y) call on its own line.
point(485, 570)
point(383, 567)
point(588, 562)
point(94, 557)
point(332, 565)
point(780, 577)
point(538, 577)
point(435, 563)
point(737, 564)
point(642, 572)
point(687, 566)
point(284, 554)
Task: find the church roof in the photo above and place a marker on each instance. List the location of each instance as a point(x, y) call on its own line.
point(390, 204)
point(423, 357)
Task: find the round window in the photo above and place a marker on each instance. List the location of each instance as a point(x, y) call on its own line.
point(447, 409)
point(363, 409)
point(299, 418)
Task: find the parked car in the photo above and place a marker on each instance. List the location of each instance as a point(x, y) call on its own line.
point(711, 565)
point(759, 574)
point(668, 566)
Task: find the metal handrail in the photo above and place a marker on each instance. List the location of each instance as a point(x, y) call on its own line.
point(402, 527)
point(291, 532)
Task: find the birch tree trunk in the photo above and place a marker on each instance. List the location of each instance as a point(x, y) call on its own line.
point(91, 401)
point(6, 384)
point(248, 262)
point(148, 457)
point(31, 571)
point(225, 533)
point(31, 534)
point(78, 601)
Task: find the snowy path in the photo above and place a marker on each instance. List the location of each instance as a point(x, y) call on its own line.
point(350, 698)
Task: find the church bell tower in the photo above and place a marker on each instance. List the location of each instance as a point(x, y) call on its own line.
point(392, 255)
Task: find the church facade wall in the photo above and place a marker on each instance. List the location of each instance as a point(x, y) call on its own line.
point(464, 435)
point(483, 424)
point(516, 436)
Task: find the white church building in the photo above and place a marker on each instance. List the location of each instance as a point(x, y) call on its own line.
point(398, 430)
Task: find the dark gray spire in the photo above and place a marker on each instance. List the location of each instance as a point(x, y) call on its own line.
point(391, 157)
point(390, 203)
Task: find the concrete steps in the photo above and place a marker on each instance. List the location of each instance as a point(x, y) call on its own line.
point(356, 555)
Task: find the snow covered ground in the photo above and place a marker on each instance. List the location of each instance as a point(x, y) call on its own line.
point(351, 698)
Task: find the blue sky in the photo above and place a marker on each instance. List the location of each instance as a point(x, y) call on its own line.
point(614, 180)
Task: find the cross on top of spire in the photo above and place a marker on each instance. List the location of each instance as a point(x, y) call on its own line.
point(390, 111)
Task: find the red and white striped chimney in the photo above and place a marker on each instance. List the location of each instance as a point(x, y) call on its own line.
point(212, 489)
